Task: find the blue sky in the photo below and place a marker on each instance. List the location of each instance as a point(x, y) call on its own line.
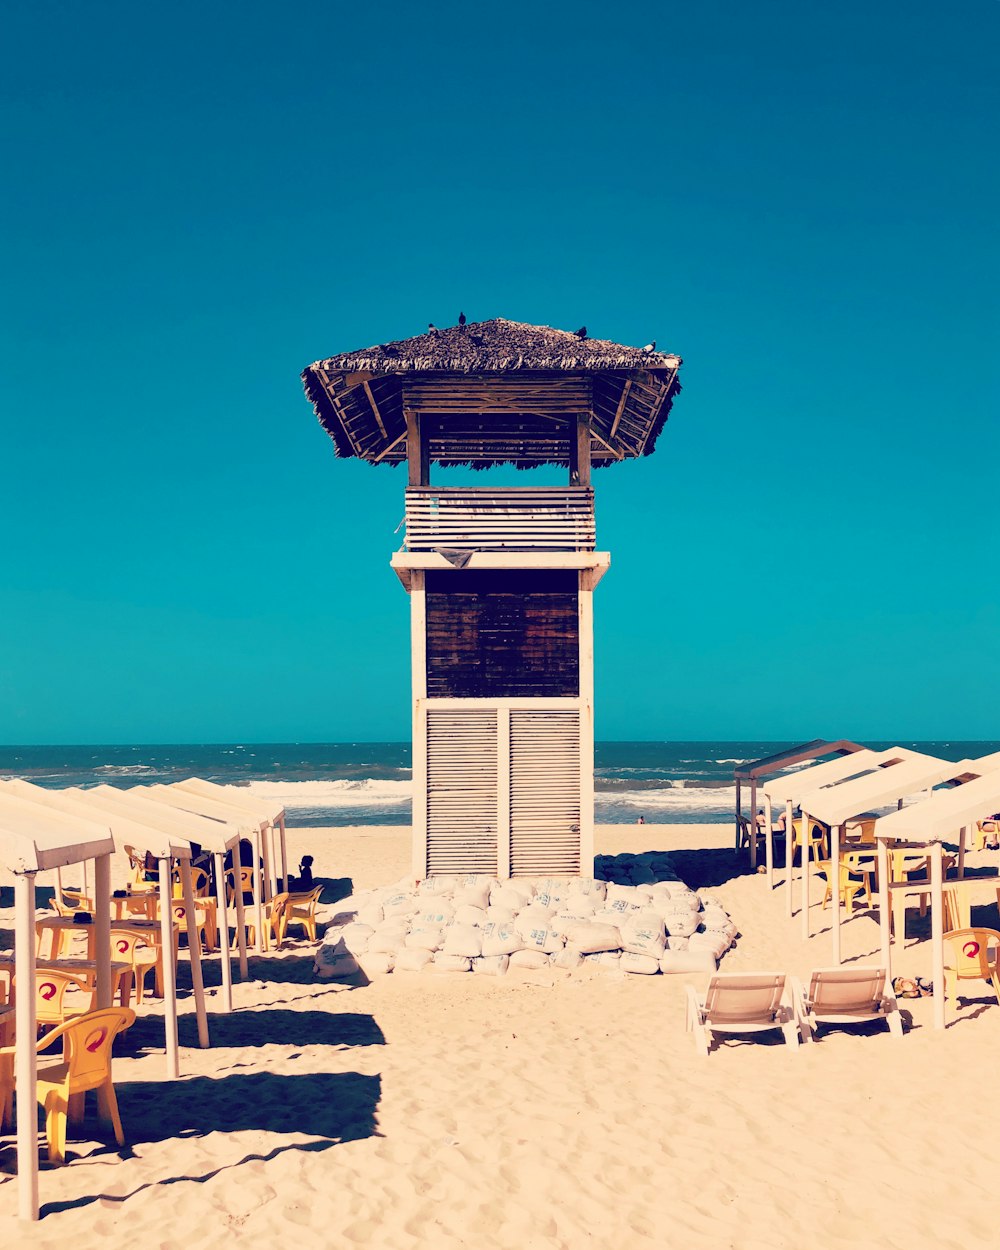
point(799, 199)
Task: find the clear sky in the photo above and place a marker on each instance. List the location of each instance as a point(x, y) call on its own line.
point(799, 199)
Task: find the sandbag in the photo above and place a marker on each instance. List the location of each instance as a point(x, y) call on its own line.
point(589, 887)
point(644, 935)
point(641, 965)
point(356, 937)
point(412, 960)
point(385, 943)
point(568, 958)
point(434, 886)
point(610, 961)
point(542, 939)
point(491, 965)
point(531, 918)
point(676, 943)
point(508, 898)
point(590, 938)
point(434, 915)
point(532, 960)
point(463, 939)
point(371, 914)
point(687, 961)
point(378, 963)
point(681, 923)
point(472, 896)
point(451, 963)
point(424, 939)
point(716, 943)
point(499, 915)
point(501, 939)
point(333, 959)
point(400, 905)
point(469, 914)
point(714, 917)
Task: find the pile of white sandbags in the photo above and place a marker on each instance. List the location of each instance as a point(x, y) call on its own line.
point(634, 917)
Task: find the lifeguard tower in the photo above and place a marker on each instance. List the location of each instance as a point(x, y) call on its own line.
point(500, 580)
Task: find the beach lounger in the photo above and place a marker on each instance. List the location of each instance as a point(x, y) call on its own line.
point(740, 1002)
point(845, 996)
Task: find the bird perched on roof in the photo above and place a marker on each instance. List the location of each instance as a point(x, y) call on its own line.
point(461, 318)
point(432, 329)
point(650, 347)
point(581, 333)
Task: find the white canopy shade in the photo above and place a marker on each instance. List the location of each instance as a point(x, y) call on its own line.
point(946, 811)
point(73, 802)
point(34, 840)
point(212, 835)
point(791, 786)
point(839, 803)
point(237, 796)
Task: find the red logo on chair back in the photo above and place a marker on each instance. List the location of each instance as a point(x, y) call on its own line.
point(47, 990)
point(95, 1039)
point(179, 913)
point(971, 949)
point(121, 946)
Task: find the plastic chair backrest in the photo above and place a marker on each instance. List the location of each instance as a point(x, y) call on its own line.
point(88, 1040)
point(970, 949)
point(734, 997)
point(309, 899)
point(51, 988)
point(846, 989)
point(246, 880)
point(125, 941)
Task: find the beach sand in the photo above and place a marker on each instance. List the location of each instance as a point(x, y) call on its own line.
point(537, 1110)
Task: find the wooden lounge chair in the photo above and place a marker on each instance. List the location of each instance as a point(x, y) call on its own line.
point(845, 996)
point(740, 1002)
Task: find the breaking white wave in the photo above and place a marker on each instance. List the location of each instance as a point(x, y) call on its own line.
point(344, 793)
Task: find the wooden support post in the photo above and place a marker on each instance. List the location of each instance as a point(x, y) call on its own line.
point(258, 894)
point(102, 928)
point(579, 451)
point(417, 451)
point(834, 881)
point(962, 837)
point(804, 860)
point(25, 1062)
point(194, 952)
point(937, 933)
point(223, 914)
point(753, 824)
point(169, 970)
point(884, 918)
point(789, 831)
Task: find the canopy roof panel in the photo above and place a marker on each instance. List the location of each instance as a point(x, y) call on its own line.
point(34, 838)
point(494, 392)
point(260, 806)
point(793, 755)
point(790, 787)
point(212, 835)
point(183, 801)
point(917, 772)
point(88, 806)
point(945, 811)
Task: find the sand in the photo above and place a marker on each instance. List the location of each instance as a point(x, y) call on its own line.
point(537, 1110)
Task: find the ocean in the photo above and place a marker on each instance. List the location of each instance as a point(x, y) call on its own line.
point(368, 783)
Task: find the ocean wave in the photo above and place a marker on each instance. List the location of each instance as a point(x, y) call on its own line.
point(344, 793)
point(127, 770)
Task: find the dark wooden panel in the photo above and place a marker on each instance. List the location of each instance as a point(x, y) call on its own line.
point(502, 635)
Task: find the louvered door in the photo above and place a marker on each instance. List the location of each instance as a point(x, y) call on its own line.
point(462, 791)
point(545, 798)
point(504, 789)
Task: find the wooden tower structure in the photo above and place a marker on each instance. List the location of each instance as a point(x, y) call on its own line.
point(500, 580)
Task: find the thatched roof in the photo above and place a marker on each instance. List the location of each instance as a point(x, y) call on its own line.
point(494, 392)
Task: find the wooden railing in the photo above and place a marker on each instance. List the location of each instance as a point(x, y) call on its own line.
point(520, 518)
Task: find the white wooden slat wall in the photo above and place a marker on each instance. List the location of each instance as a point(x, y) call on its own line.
point(544, 792)
point(503, 791)
point(462, 791)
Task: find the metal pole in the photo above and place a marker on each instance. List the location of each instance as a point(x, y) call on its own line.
point(241, 919)
point(25, 1061)
point(883, 907)
point(937, 935)
point(789, 840)
point(169, 978)
point(194, 953)
point(102, 928)
point(753, 824)
point(258, 901)
point(284, 851)
point(739, 810)
point(835, 831)
point(223, 915)
point(804, 852)
point(769, 842)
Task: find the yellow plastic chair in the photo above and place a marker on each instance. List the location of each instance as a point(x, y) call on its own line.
point(61, 995)
point(246, 884)
point(855, 869)
point(141, 951)
point(300, 909)
point(200, 883)
point(204, 919)
point(140, 873)
point(971, 955)
point(68, 901)
point(987, 834)
point(85, 1064)
point(818, 839)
